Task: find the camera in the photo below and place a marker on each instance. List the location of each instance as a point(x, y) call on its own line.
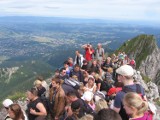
point(88, 45)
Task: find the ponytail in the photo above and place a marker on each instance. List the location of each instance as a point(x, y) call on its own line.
point(142, 108)
point(133, 99)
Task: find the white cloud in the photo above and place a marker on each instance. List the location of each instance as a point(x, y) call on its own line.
point(102, 9)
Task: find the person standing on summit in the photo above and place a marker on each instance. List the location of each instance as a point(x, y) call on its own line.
point(89, 51)
point(125, 75)
point(99, 53)
point(78, 59)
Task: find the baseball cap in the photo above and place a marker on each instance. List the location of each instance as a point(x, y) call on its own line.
point(125, 70)
point(7, 102)
point(111, 91)
point(91, 77)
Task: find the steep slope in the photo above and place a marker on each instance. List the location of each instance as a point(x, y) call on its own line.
point(20, 76)
point(145, 51)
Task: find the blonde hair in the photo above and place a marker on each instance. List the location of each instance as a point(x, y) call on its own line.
point(110, 70)
point(133, 99)
point(37, 82)
point(97, 76)
point(87, 117)
point(100, 104)
point(75, 77)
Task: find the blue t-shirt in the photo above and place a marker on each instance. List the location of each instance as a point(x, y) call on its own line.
point(120, 94)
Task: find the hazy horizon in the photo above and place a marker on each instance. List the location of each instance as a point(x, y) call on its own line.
point(119, 10)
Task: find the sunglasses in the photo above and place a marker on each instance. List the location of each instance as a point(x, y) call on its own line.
point(6, 108)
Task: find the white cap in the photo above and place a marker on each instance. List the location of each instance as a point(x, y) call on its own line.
point(87, 96)
point(91, 77)
point(125, 70)
point(7, 102)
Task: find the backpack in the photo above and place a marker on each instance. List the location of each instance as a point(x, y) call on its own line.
point(138, 91)
point(71, 82)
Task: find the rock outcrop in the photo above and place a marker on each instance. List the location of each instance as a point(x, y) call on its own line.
point(152, 93)
point(151, 65)
point(151, 89)
point(146, 53)
point(6, 73)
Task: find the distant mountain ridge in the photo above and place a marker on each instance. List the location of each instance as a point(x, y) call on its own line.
point(49, 41)
point(20, 77)
point(146, 53)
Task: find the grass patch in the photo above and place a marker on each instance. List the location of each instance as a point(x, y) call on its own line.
point(139, 48)
point(14, 97)
point(158, 102)
point(145, 78)
point(17, 95)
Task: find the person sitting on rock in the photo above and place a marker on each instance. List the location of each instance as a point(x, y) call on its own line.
point(67, 68)
point(63, 75)
point(77, 72)
point(91, 85)
point(107, 64)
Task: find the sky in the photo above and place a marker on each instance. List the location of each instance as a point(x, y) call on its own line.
point(138, 10)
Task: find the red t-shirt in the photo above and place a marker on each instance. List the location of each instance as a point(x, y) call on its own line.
point(88, 56)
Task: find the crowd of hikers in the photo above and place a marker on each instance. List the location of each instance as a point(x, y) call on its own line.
point(90, 87)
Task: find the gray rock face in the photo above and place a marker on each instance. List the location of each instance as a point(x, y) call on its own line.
point(151, 66)
point(153, 91)
point(150, 88)
point(6, 73)
point(137, 76)
point(3, 111)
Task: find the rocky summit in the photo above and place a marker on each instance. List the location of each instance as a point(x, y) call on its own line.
point(146, 53)
point(144, 50)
